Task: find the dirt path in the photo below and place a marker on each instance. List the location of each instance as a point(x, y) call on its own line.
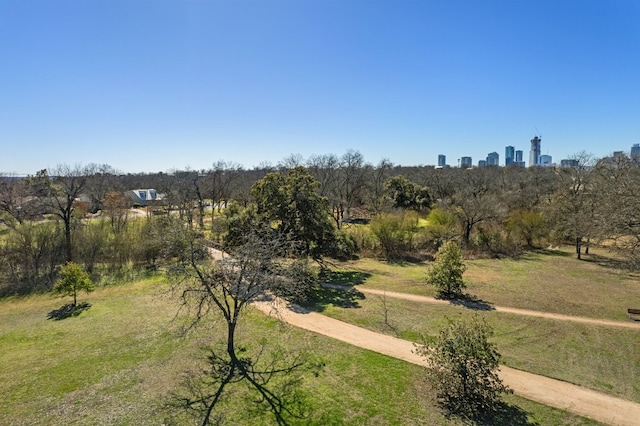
point(576, 399)
point(561, 317)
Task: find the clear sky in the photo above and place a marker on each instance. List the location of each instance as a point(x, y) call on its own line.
point(158, 85)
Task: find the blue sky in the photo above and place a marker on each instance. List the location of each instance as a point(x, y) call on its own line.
point(158, 85)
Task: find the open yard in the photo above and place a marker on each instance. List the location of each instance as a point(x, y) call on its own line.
point(599, 357)
point(549, 281)
point(120, 360)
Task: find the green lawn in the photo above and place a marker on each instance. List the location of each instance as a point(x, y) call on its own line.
point(118, 362)
point(601, 358)
point(551, 281)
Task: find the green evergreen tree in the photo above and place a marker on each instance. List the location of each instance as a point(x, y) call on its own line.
point(292, 203)
point(465, 369)
point(446, 272)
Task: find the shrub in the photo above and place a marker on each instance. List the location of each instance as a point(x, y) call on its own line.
point(465, 368)
point(446, 271)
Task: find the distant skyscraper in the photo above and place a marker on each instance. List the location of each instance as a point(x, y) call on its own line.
point(519, 156)
point(509, 155)
point(545, 160)
point(493, 159)
point(482, 163)
point(534, 154)
point(442, 160)
point(635, 152)
point(466, 162)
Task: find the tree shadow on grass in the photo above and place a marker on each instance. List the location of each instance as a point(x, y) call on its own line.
point(68, 310)
point(553, 251)
point(470, 301)
point(506, 415)
point(333, 294)
point(410, 259)
point(345, 278)
point(533, 255)
point(606, 262)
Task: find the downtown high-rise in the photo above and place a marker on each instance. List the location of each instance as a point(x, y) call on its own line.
point(534, 153)
point(509, 154)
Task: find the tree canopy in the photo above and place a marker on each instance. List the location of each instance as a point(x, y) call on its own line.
point(291, 202)
point(406, 194)
point(73, 279)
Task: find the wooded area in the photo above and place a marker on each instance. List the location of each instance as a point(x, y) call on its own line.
point(82, 213)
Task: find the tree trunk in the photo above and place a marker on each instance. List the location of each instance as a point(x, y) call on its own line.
point(579, 247)
point(467, 232)
point(231, 345)
point(67, 237)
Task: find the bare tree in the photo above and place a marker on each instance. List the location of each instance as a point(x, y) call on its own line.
point(104, 179)
point(291, 162)
point(352, 180)
point(342, 181)
point(325, 169)
point(116, 210)
point(573, 207)
point(223, 177)
point(14, 200)
point(198, 179)
point(442, 182)
point(475, 201)
point(224, 289)
point(376, 177)
point(180, 188)
point(616, 180)
point(59, 194)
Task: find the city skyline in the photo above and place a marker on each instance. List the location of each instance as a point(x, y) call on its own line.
point(154, 86)
point(517, 155)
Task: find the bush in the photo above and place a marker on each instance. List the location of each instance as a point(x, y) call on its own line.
point(526, 225)
point(446, 271)
point(362, 237)
point(29, 255)
point(344, 246)
point(465, 369)
point(489, 242)
point(441, 226)
point(395, 232)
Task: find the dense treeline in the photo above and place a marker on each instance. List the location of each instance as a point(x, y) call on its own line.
point(83, 214)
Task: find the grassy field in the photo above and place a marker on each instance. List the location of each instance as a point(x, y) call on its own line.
point(598, 357)
point(601, 358)
point(551, 281)
point(118, 362)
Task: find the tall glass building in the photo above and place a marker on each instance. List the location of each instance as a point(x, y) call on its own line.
point(509, 155)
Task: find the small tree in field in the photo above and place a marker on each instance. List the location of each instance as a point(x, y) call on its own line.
point(71, 280)
point(446, 272)
point(465, 369)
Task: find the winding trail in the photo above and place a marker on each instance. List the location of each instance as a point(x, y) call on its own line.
point(576, 399)
point(517, 311)
point(556, 393)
